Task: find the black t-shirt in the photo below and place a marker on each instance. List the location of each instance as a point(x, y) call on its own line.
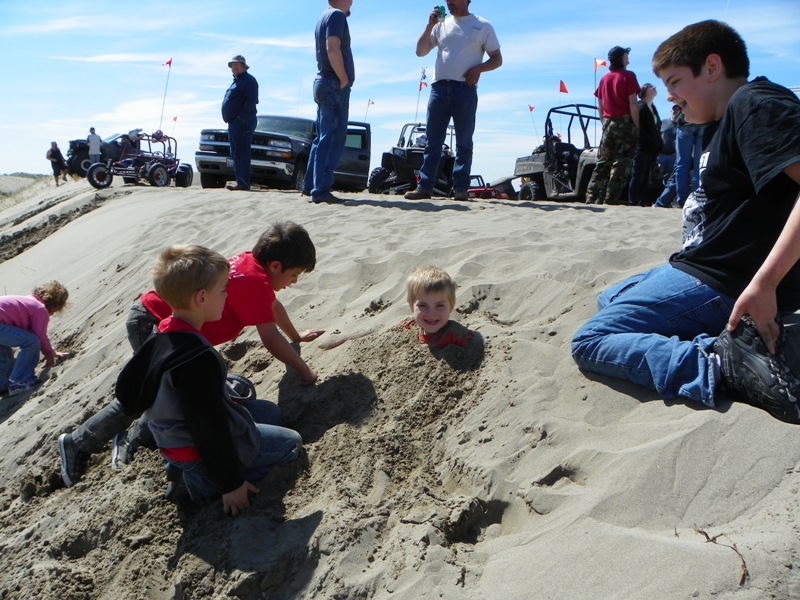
point(735, 217)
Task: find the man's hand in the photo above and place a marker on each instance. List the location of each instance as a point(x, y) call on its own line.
point(761, 304)
point(236, 501)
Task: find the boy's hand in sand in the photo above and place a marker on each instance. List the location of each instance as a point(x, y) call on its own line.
point(307, 376)
point(236, 501)
point(309, 335)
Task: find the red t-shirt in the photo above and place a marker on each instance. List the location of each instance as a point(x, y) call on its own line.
point(615, 90)
point(249, 302)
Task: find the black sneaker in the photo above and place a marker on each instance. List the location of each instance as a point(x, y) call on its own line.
point(758, 377)
point(73, 460)
point(121, 451)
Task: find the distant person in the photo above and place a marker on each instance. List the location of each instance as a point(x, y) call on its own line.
point(647, 149)
point(335, 76)
point(686, 172)
point(707, 322)
point(94, 142)
point(618, 106)
point(461, 41)
point(57, 162)
point(281, 254)
point(666, 159)
point(239, 112)
point(431, 296)
point(210, 442)
point(23, 325)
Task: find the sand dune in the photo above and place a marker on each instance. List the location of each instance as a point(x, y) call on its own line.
point(501, 474)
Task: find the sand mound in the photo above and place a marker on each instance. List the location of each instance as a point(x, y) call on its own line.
point(492, 471)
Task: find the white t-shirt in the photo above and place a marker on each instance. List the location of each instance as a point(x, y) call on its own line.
point(462, 42)
point(94, 143)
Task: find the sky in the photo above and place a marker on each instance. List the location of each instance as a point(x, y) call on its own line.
point(69, 66)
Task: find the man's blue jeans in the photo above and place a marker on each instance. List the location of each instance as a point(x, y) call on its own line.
point(653, 329)
point(22, 369)
point(688, 149)
point(240, 137)
point(459, 101)
point(333, 112)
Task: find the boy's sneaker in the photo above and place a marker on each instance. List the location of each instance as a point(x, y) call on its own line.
point(121, 451)
point(17, 387)
point(758, 377)
point(73, 460)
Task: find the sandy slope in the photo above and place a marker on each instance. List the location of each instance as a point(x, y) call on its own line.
point(502, 473)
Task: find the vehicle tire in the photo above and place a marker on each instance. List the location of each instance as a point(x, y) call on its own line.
point(299, 176)
point(157, 175)
point(377, 179)
point(209, 180)
point(99, 176)
point(80, 164)
point(532, 191)
point(184, 175)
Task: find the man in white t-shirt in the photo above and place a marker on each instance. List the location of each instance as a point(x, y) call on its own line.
point(462, 39)
point(94, 142)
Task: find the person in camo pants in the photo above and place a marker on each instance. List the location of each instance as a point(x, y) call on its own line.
point(617, 104)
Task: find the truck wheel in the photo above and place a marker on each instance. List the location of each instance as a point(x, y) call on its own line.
point(99, 176)
point(157, 175)
point(299, 177)
point(209, 180)
point(184, 176)
point(80, 164)
point(377, 179)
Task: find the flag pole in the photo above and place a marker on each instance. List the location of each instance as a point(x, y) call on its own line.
point(422, 84)
point(163, 102)
point(535, 130)
point(366, 111)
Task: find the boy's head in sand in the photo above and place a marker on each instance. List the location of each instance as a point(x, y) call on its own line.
point(701, 66)
point(285, 251)
point(53, 295)
point(192, 280)
point(431, 295)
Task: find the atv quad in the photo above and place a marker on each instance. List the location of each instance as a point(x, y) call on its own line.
point(399, 170)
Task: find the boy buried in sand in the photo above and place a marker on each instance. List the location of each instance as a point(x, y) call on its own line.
point(178, 379)
point(281, 254)
point(431, 294)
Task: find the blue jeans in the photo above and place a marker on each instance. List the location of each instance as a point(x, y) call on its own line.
point(277, 445)
point(22, 369)
point(688, 149)
point(459, 101)
point(240, 137)
point(333, 111)
point(653, 329)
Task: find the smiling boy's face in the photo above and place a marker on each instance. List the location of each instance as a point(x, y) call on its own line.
point(432, 311)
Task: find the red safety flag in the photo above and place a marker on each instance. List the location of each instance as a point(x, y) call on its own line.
point(167, 64)
point(598, 62)
point(530, 108)
point(563, 88)
point(175, 119)
point(422, 84)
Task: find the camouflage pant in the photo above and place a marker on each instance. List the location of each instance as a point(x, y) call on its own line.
point(614, 160)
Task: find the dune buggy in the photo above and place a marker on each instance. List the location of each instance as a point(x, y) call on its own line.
point(140, 156)
point(399, 168)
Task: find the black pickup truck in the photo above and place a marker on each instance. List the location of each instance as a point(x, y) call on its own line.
point(280, 150)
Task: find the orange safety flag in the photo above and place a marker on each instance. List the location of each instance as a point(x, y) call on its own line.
point(422, 84)
point(598, 62)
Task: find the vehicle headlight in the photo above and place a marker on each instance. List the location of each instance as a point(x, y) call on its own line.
point(281, 144)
